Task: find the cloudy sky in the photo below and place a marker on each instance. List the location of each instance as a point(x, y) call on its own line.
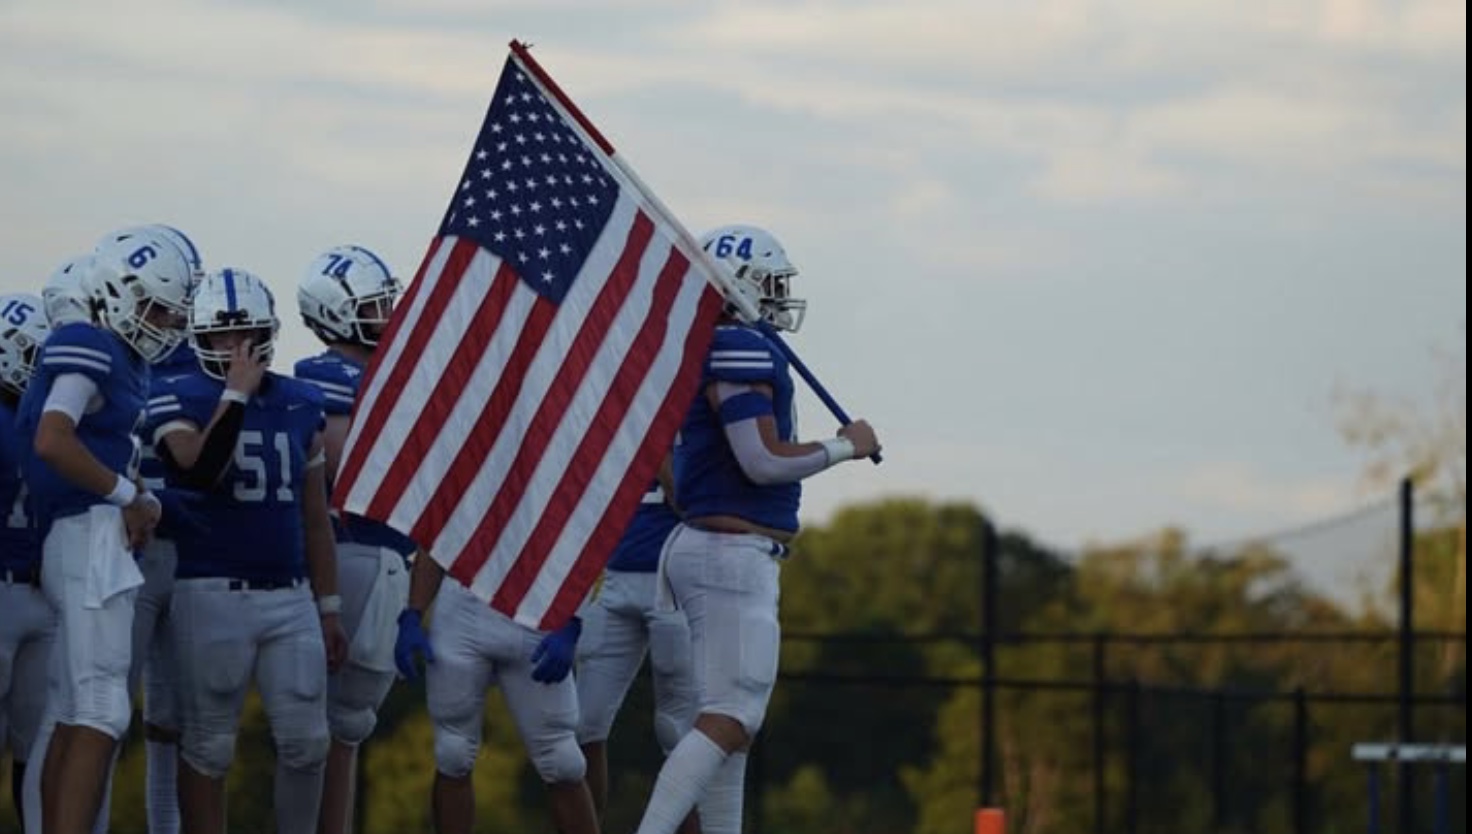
point(1096, 266)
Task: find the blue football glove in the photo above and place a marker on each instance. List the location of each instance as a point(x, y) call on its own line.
point(411, 641)
point(181, 513)
point(555, 654)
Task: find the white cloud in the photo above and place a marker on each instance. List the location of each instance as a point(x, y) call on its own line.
point(1240, 487)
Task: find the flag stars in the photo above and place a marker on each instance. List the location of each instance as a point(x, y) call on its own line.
point(547, 276)
point(480, 155)
point(534, 206)
point(540, 229)
point(544, 253)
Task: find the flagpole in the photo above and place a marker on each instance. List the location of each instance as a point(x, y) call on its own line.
point(745, 307)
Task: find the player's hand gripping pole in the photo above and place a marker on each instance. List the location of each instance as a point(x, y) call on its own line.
point(744, 306)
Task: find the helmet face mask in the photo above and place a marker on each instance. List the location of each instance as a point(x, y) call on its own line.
point(347, 295)
point(756, 262)
point(23, 330)
point(232, 305)
point(140, 289)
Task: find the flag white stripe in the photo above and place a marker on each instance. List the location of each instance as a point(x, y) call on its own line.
point(618, 457)
point(461, 422)
point(362, 491)
point(578, 418)
point(543, 369)
point(408, 402)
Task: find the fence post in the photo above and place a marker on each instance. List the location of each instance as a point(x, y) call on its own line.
point(989, 595)
point(1405, 786)
point(1132, 758)
point(1101, 698)
point(1218, 759)
point(1300, 761)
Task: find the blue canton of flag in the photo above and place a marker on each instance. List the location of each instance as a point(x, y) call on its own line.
point(532, 192)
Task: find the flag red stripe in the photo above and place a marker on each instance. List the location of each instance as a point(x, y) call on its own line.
point(447, 392)
point(477, 446)
point(423, 329)
point(549, 415)
point(365, 444)
point(594, 444)
point(684, 387)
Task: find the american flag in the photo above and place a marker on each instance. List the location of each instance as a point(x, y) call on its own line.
point(537, 369)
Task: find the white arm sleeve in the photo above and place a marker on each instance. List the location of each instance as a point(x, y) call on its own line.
point(71, 394)
point(757, 461)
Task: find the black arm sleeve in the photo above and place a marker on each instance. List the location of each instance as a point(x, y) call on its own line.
point(214, 458)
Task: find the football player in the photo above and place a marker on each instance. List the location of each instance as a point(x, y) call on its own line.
point(738, 466)
point(78, 419)
point(29, 624)
point(243, 602)
point(153, 664)
point(619, 629)
point(473, 648)
point(346, 297)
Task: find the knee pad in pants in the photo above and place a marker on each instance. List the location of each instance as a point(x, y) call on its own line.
point(103, 704)
point(560, 761)
point(454, 752)
point(306, 753)
point(208, 753)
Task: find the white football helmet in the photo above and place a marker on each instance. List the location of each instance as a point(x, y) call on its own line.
point(759, 265)
point(348, 295)
point(67, 296)
point(22, 332)
point(232, 300)
point(141, 288)
point(176, 238)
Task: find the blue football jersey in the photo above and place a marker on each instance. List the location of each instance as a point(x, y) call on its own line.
point(337, 377)
point(253, 514)
point(179, 361)
point(109, 433)
point(20, 546)
point(638, 550)
point(708, 480)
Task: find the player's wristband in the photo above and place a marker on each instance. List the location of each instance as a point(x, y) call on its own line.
point(123, 492)
point(230, 395)
point(838, 449)
point(329, 605)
